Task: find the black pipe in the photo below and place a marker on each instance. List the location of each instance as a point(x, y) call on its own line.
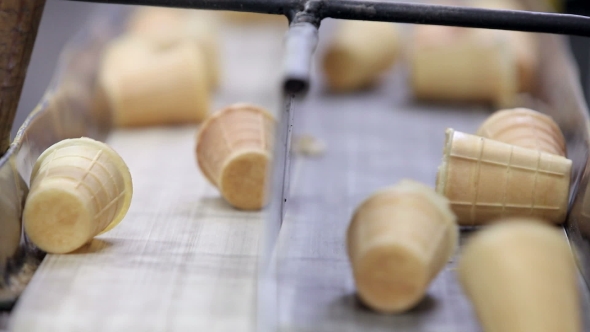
point(457, 16)
point(306, 15)
point(392, 12)
point(277, 7)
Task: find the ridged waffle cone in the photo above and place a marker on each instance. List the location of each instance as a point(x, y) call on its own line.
point(234, 148)
point(525, 128)
point(520, 275)
point(80, 188)
point(159, 88)
point(398, 241)
point(486, 180)
point(452, 64)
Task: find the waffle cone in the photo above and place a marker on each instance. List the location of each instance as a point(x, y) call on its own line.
point(486, 180)
point(234, 151)
point(525, 128)
point(166, 27)
point(460, 65)
point(398, 241)
point(359, 53)
point(160, 88)
point(80, 188)
point(520, 275)
point(523, 44)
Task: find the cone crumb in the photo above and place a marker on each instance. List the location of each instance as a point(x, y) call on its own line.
point(307, 145)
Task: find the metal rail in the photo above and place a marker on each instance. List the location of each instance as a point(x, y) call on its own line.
point(305, 17)
point(317, 10)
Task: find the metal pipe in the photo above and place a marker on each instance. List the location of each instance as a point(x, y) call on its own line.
point(278, 7)
point(301, 41)
point(457, 16)
point(19, 23)
point(392, 12)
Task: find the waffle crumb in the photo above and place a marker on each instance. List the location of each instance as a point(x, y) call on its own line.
point(310, 146)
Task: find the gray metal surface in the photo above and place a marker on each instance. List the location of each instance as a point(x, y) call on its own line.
point(3, 321)
point(374, 139)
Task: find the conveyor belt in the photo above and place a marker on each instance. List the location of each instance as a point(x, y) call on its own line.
point(183, 260)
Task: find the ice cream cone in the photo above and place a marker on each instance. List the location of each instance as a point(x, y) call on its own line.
point(165, 27)
point(80, 188)
point(486, 180)
point(398, 241)
point(523, 44)
point(124, 54)
point(525, 128)
point(151, 20)
point(520, 275)
point(157, 88)
point(359, 53)
point(233, 151)
point(462, 65)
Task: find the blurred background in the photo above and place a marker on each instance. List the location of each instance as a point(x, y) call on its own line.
point(61, 19)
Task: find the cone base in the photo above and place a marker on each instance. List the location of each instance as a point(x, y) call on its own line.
point(243, 180)
point(391, 278)
point(56, 219)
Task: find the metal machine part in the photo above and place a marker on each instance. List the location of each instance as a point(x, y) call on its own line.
point(581, 45)
point(564, 103)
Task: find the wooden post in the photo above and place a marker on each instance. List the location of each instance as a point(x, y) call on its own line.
point(19, 22)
